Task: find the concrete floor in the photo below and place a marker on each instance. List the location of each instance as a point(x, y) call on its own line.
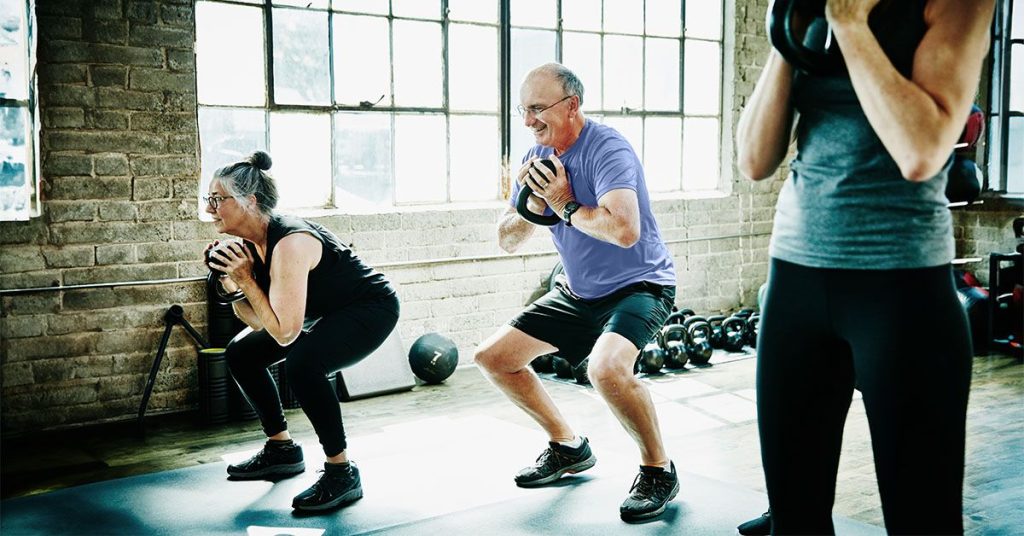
point(708, 420)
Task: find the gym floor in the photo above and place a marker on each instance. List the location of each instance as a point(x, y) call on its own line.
point(707, 416)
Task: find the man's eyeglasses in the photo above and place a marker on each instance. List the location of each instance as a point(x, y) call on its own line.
point(213, 201)
point(536, 110)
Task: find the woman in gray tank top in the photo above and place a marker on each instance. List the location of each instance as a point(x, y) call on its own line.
point(860, 261)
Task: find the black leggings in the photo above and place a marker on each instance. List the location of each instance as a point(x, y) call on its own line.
point(338, 340)
point(901, 338)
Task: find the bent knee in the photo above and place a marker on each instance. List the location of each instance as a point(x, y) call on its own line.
point(493, 360)
point(608, 373)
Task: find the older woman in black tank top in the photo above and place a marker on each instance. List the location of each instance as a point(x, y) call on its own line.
point(310, 302)
point(860, 256)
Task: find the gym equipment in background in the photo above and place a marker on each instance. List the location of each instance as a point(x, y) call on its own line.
point(384, 371)
point(542, 364)
point(213, 386)
point(579, 372)
point(433, 358)
point(562, 367)
point(699, 349)
point(557, 276)
point(524, 195)
point(651, 359)
point(174, 315)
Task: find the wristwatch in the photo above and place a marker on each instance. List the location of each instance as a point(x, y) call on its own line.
point(570, 208)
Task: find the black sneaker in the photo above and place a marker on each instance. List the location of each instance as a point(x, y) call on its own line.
point(653, 488)
point(271, 460)
point(339, 484)
point(760, 526)
point(555, 461)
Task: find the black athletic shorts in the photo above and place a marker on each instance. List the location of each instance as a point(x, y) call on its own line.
point(573, 324)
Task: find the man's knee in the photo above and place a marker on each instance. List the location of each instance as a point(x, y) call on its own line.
point(609, 371)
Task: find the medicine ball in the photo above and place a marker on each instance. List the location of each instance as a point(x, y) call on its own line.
point(433, 357)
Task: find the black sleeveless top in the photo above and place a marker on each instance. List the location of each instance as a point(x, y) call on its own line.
point(338, 280)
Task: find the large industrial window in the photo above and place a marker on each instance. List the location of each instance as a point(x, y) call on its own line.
point(19, 133)
point(371, 104)
point(1006, 101)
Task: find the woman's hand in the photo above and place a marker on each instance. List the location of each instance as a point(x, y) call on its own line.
point(839, 12)
point(235, 260)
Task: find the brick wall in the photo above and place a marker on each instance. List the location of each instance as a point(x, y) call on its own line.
point(120, 166)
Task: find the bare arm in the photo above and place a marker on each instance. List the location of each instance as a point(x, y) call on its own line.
point(918, 120)
point(282, 312)
point(513, 230)
point(765, 128)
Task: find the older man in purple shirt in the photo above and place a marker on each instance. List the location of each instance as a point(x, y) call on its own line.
point(620, 287)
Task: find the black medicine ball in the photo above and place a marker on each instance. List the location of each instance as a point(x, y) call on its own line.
point(433, 357)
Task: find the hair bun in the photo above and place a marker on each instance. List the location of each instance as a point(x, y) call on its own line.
point(260, 159)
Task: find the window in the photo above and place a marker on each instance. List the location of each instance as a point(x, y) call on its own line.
point(1006, 101)
point(19, 132)
point(369, 104)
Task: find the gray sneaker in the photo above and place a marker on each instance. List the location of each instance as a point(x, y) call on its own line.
point(653, 488)
point(555, 461)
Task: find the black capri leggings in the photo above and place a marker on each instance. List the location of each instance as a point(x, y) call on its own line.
point(338, 340)
point(902, 339)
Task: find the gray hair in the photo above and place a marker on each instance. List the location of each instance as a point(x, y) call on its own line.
point(571, 83)
point(249, 177)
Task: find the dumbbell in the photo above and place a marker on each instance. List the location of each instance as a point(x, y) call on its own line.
point(542, 364)
point(700, 350)
point(674, 339)
point(580, 372)
point(562, 367)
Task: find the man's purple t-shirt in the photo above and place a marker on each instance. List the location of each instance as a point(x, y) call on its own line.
point(600, 161)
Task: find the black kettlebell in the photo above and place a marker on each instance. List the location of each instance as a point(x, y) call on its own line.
point(562, 367)
point(524, 195)
point(750, 331)
point(799, 31)
point(580, 372)
point(716, 339)
point(652, 359)
point(700, 350)
point(542, 364)
point(214, 287)
point(674, 339)
point(732, 330)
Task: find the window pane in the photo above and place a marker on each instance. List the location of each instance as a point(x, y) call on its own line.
point(540, 13)
point(704, 19)
point(417, 63)
point(703, 78)
point(581, 15)
point(378, 7)
point(227, 135)
point(474, 10)
point(1017, 24)
point(314, 4)
point(1015, 160)
point(420, 169)
point(530, 49)
point(362, 161)
point(1017, 76)
point(361, 47)
point(631, 128)
point(475, 158)
point(420, 9)
point(473, 67)
point(301, 72)
point(300, 144)
point(582, 53)
point(661, 89)
point(14, 77)
point(16, 190)
point(664, 17)
point(229, 54)
point(700, 153)
point(624, 16)
point(623, 66)
point(662, 139)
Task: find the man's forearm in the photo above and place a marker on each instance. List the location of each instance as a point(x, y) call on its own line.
point(513, 231)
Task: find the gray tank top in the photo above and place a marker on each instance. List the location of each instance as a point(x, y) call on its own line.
point(845, 203)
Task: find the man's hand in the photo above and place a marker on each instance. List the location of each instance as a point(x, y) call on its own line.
point(553, 187)
point(535, 203)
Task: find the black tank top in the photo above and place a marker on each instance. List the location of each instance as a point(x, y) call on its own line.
point(338, 280)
